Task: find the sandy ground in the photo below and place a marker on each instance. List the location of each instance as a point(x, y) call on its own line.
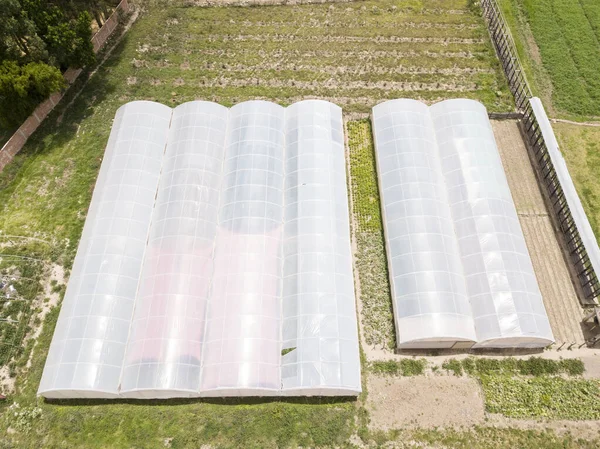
point(439, 401)
point(560, 297)
point(46, 300)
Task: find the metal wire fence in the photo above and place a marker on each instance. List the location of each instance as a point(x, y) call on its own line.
point(517, 82)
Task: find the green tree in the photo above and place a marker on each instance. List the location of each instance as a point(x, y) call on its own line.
point(19, 39)
point(38, 39)
point(22, 88)
point(67, 39)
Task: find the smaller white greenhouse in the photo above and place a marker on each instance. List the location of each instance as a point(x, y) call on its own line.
point(215, 259)
point(459, 267)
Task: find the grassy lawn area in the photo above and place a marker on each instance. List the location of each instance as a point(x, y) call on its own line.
point(558, 42)
point(580, 146)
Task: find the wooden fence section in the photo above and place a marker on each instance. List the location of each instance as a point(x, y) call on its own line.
point(19, 138)
point(513, 69)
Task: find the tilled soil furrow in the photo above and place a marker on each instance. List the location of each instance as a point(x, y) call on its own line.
point(554, 281)
point(341, 39)
point(338, 85)
point(363, 69)
point(349, 24)
point(350, 54)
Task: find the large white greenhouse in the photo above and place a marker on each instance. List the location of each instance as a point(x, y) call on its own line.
point(459, 267)
point(216, 256)
point(215, 259)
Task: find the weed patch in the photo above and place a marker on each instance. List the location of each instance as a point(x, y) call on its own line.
point(533, 366)
point(542, 397)
point(377, 319)
point(404, 367)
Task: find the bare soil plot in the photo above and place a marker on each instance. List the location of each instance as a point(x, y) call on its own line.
point(437, 401)
point(560, 297)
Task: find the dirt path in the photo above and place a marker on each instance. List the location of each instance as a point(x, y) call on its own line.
point(560, 297)
point(570, 122)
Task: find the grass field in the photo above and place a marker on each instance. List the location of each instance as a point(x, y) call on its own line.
point(353, 53)
point(580, 146)
point(559, 43)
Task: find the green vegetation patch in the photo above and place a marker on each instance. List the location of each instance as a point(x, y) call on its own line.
point(363, 171)
point(580, 146)
point(533, 366)
point(403, 367)
point(377, 319)
point(567, 35)
point(454, 366)
point(533, 387)
point(495, 438)
point(21, 274)
point(542, 397)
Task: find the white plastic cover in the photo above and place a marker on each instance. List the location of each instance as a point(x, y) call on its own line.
point(428, 287)
point(505, 298)
point(319, 316)
point(242, 354)
point(506, 304)
point(167, 332)
point(87, 350)
point(222, 257)
point(579, 216)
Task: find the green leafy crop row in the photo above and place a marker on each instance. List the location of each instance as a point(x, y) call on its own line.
point(567, 34)
point(534, 366)
point(363, 172)
point(377, 319)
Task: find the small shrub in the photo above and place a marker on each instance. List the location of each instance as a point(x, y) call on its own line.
point(537, 366)
point(572, 367)
point(404, 367)
point(488, 366)
point(469, 366)
point(389, 367)
point(453, 365)
point(413, 367)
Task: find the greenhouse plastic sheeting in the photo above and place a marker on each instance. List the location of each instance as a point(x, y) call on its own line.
point(482, 229)
point(87, 350)
point(430, 296)
point(231, 294)
point(319, 317)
